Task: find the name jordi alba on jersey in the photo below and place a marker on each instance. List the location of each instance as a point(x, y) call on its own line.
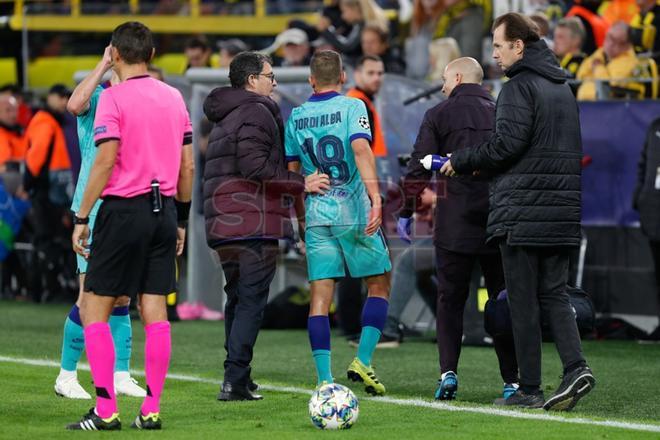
point(319, 135)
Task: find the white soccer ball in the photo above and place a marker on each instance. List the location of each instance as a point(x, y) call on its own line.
point(333, 406)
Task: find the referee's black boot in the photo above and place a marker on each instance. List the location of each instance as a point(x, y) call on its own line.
point(523, 400)
point(230, 392)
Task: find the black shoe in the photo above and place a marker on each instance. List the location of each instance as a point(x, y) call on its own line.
point(150, 422)
point(92, 422)
point(522, 400)
point(573, 387)
point(232, 392)
point(252, 385)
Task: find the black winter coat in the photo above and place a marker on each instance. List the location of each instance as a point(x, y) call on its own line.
point(647, 193)
point(535, 153)
point(466, 118)
point(247, 188)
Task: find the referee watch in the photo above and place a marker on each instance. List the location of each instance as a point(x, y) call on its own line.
point(80, 220)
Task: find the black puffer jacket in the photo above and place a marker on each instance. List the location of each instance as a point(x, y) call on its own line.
point(535, 155)
point(247, 188)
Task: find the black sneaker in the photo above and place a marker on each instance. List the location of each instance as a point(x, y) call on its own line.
point(252, 385)
point(92, 422)
point(522, 400)
point(150, 421)
point(574, 386)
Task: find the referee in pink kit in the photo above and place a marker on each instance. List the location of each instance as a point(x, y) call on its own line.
point(143, 171)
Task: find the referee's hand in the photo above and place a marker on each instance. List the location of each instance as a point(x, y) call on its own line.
point(180, 240)
point(79, 240)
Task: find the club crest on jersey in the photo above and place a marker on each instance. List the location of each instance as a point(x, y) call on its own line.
point(363, 122)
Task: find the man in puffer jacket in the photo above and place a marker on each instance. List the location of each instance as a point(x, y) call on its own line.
point(247, 205)
point(534, 156)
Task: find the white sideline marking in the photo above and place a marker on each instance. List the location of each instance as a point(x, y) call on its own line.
point(391, 400)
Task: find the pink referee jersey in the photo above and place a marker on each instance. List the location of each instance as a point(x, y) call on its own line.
point(151, 123)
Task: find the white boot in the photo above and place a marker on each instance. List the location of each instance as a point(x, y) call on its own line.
point(127, 386)
point(67, 385)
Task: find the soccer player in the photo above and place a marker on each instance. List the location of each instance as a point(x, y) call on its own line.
point(144, 171)
point(83, 104)
point(329, 136)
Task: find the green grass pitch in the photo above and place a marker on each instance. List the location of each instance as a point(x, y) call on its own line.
point(627, 391)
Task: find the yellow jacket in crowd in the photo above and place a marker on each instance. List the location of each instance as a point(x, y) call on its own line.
point(595, 67)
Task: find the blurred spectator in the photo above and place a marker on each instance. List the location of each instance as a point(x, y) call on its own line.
point(48, 180)
point(543, 24)
point(466, 21)
point(358, 14)
point(368, 77)
point(615, 60)
point(12, 146)
point(646, 28)
point(294, 46)
point(198, 52)
point(569, 37)
point(24, 110)
point(374, 41)
point(229, 49)
point(155, 72)
point(331, 14)
point(442, 51)
point(594, 25)
point(618, 10)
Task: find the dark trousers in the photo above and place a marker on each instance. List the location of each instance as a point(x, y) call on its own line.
point(249, 267)
point(349, 305)
point(655, 250)
point(454, 274)
point(536, 286)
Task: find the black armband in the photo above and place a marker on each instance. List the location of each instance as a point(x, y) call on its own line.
point(182, 212)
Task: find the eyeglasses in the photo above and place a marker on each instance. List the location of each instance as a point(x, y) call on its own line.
point(270, 76)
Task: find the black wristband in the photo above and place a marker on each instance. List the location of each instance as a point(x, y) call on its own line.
point(182, 211)
point(80, 220)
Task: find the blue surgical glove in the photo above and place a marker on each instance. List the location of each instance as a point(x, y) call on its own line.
point(403, 228)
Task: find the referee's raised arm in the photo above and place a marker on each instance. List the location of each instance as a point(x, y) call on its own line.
point(143, 172)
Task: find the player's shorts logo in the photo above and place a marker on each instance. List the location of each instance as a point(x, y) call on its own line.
point(363, 122)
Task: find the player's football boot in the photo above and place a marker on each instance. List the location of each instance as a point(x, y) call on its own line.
point(125, 385)
point(70, 388)
point(150, 421)
point(92, 422)
point(358, 372)
point(447, 386)
point(573, 387)
point(509, 390)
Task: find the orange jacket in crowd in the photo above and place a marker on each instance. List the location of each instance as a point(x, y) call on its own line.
point(378, 142)
point(598, 24)
point(43, 131)
point(12, 145)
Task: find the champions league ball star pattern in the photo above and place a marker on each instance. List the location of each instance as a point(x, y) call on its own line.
point(333, 406)
point(363, 122)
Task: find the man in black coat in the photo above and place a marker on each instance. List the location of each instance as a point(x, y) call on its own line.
point(247, 194)
point(534, 214)
point(464, 119)
point(647, 200)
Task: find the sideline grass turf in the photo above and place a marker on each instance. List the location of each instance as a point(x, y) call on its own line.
point(627, 388)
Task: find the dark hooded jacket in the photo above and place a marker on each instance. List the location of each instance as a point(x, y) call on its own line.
point(534, 154)
point(247, 188)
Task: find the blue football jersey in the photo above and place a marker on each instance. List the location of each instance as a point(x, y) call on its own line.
point(319, 135)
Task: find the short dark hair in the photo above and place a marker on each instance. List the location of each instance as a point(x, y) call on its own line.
point(517, 27)
point(364, 58)
point(134, 42)
point(244, 65)
point(326, 67)
point(198, 42)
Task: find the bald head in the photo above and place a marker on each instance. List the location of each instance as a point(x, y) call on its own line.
point(8, 109)
point(463, 70)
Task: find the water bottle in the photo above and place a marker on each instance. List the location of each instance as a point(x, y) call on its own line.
point(433, 162)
